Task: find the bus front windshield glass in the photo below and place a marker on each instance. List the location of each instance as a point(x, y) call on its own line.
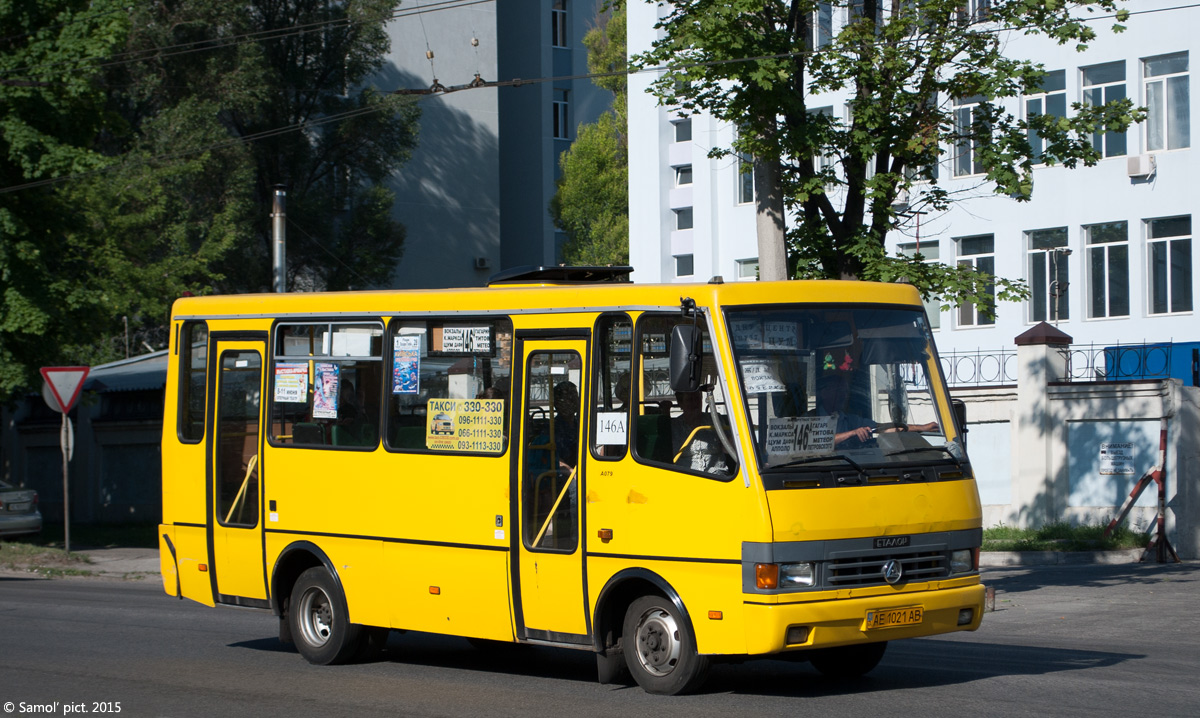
point(830, 386)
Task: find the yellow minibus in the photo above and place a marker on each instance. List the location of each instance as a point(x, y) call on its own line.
point(665, 475)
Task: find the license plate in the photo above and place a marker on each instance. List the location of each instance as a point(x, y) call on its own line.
point(892, 617)
point(23, 506)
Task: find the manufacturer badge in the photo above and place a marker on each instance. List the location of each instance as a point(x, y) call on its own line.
point(892, 570)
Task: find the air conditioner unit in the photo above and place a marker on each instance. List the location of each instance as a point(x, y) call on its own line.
point(1141, 165)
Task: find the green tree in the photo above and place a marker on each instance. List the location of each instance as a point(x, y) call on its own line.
point(591, 204)
point(52, 107)
point(901, 63)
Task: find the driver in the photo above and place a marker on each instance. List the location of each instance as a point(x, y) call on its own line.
point(851, 430)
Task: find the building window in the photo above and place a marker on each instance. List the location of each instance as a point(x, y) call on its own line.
point(1108, 269)
point(683, 218)
point(1169, 243)
point(683, 175)
point(745, 178)
point(684, 266)
point(978, 253)
point(967, 159)
point(1103, 84)
point(558, 115)
point(820, 31)
point(747, 269)
point(1167, 99)
point(683, 130)
point(928, 253)
point(974, 11)
point(1048, 272)
point(1051, 99)
point(558, 23)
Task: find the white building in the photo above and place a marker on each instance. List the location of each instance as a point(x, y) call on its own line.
point(475, 196)
point(1118, 234)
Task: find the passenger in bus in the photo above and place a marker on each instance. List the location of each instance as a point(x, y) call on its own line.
point(694, 440)
point(566, 424)
point(852, 431)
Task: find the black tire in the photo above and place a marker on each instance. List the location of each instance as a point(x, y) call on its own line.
point(848, 661)
point(660, 648)
point(321, 627)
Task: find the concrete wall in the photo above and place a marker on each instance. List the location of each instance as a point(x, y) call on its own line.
point(1036, 448)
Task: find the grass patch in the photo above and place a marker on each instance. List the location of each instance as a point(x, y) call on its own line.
point(42, 560)
point(1062, 537)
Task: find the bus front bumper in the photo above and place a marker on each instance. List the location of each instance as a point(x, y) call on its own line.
point(797, 626)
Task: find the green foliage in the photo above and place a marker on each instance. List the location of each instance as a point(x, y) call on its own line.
point(172, 121)
point(591, 204)
point(751, 63)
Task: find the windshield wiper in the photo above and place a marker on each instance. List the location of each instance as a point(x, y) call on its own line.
point(915, 450)
point(814, 459)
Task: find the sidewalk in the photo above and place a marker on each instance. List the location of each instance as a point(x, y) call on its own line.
point(126, 563)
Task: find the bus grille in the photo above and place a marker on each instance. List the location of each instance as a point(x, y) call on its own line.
point(868, 570)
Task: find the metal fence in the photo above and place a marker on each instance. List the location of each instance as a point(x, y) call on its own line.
point(980, 368)
point(1123, 362)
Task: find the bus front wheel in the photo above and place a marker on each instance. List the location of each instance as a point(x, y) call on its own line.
point(660, 648)
point(321, 625)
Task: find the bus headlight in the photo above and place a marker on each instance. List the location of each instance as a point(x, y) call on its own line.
point(962, 561)
point(797, 575)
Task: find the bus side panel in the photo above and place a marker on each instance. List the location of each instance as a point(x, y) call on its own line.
point(191, 553)
point(343, 501)
point(700, 522)
point(703, 587)
point(443, 589)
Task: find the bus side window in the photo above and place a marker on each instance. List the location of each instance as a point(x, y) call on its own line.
point(613, 383)
point(675, 429)
point(327, 384)
point(193, 380)
point(459, 359)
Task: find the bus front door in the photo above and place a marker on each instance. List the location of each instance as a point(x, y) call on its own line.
point(235, 475)
point(550, 601)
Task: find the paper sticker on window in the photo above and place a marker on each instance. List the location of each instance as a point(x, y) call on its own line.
point(800, 436)
point(469, 425)
point(466, 340)
point(406, 364)
point(760, 378)
point(291, 382)
point(747, 333)
point(325, 391)
point(611, 428)
point(780, 335)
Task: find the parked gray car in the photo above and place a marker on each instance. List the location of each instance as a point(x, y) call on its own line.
point(18, 511)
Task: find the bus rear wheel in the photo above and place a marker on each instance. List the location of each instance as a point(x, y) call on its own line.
point(321, 625)
point(660, 648)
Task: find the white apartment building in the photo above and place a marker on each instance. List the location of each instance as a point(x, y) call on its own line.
point(1114, 240)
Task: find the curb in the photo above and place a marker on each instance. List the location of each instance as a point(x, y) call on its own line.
point(1002, 559)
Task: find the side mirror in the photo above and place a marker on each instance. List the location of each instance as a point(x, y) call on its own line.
point(960, 416)
point(685, 358)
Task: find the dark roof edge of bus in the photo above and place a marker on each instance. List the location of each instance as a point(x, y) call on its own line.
point(532, 274)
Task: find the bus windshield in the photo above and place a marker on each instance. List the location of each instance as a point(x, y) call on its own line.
point(837, 386)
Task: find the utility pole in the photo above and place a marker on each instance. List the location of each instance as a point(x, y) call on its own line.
point(279, 238)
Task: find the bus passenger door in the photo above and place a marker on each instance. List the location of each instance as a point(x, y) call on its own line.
point(549, 595)
point(235, 474)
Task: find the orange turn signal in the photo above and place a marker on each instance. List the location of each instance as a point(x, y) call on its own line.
point(715, 615)
point(605, 534)
point(766, 575)
point(204, 568)
point(435, 590)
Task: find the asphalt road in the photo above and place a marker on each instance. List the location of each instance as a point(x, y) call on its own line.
point(1073, 640)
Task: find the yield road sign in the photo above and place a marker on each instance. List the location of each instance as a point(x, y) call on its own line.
point(65, 383)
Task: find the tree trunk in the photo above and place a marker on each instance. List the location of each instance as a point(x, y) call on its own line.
point(768, 202)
